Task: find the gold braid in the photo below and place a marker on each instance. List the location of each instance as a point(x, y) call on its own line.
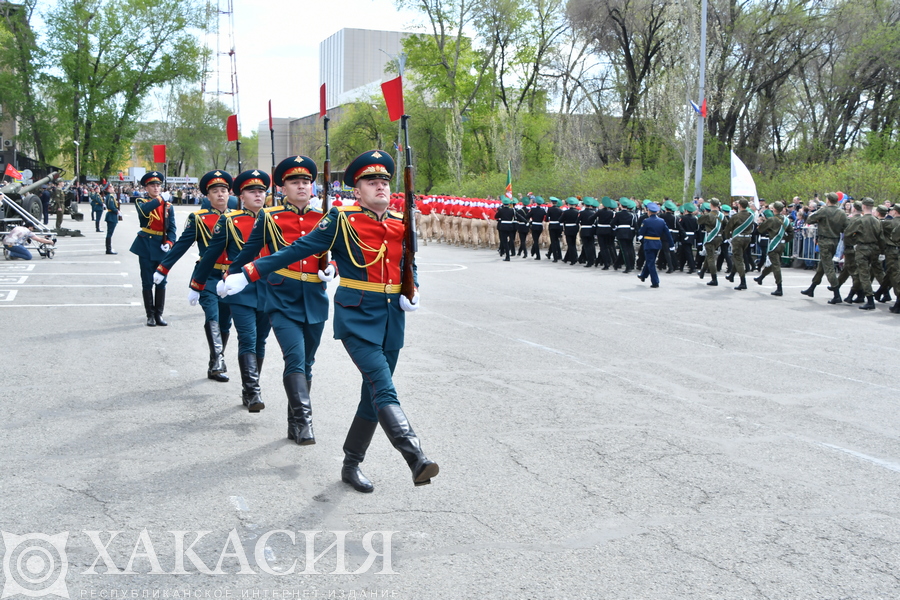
point(349, 232)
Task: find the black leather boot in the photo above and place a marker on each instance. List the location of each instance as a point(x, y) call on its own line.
point(759, 279)
point(702, 270)
point(881, 289)
point(404, 439)
point(358, 439)
point(730, 277)
point(777, 291)
point(850, 296)
point(714, 279)
point(216, 369)
point(810, 291)
point(869, 305)
point(299, 409)
point(160, 304)
point(250, 382)
point(743, 284)
point(859, 299)
point(837, 298)
point(896, 307)
point(109, 249)
point(148, 307)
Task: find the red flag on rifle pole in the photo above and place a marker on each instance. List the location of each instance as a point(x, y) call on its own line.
point(159, 153)
point(231, 128)
point(322, 110)
point(393, 97)
point(271, 126)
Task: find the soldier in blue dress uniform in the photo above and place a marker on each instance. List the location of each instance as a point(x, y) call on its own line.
point(247, 308)
point(295, 297)
point(154, 239)
point(111, 203)
point(216, 186)
point(96, 209)
point(369, 312)
point(655, 233)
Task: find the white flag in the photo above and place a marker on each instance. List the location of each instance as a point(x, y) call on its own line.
point(742, 181)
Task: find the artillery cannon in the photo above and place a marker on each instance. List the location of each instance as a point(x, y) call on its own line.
point(21, 195)
point(19, 205)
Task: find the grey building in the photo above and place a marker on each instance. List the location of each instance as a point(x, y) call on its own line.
point(352, 63)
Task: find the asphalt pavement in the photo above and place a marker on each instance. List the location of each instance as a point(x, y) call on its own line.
point(597, 439)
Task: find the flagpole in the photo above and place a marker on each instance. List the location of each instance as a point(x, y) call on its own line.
point(698, 173)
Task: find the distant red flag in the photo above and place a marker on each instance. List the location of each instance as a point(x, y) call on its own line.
point(322, 110)
point(703, 109)
point(231, 128)
point(12, 172)
point(121, 177)
point(271, 127)
point(159, 153)
point(103, 181)
point(393, 97)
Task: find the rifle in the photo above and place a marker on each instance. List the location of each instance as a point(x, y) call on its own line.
point(326, 174)
point(410, 244)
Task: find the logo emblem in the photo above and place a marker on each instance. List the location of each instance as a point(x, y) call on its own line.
point(30, 567)
point(376, 154)
point(255, 173)
point(217, 174)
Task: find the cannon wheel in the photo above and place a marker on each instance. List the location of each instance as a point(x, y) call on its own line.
point(32, 205)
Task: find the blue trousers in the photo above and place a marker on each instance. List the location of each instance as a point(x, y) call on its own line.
point(650, 265)
point(148, 268)
point(20, 252)
point(214, 309)
point(110, 228)
point(252, 329)
point(96, 214)
point(299, 342)
point(376, 365)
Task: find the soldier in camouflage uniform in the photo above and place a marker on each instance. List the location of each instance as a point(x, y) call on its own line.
point(831, 222)
point(777, 227)
point(867, 237)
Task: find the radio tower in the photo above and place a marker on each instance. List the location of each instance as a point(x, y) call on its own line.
point(220, 15)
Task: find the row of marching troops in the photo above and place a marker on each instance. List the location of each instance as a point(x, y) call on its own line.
point(265, 269)
point(604, 233)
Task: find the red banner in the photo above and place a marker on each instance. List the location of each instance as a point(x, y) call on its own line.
point(121, 177)
point(393, 97)
point(11, 172)
point(231, 128)
point(159, 153)
point(322, 110)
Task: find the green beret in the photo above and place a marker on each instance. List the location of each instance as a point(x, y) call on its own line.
point(572, 201)
point(689, 207)
point(608, 202)
point(705, 206)
point(726, 208)
point(645, 202)
point(554, 200)
point(768, 213)
point(506, 200)
point(627, 203)
point(588, 201)
point(669, 205)
point(539, 199)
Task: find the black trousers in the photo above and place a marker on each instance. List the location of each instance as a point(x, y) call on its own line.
point(626, 253)
point(588, 249)
point(571, 247)
point(536, 242)
point(507, 243)
point(607, 249)
point(555, 248)
point(523, 238)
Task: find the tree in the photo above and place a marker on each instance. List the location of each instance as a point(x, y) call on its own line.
point(110, 55)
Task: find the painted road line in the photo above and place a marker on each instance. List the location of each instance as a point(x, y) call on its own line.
point(7, 295)
point(132, 304)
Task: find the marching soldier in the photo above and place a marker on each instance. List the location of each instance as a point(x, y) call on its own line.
point(232, 230)
point(522, 228)
point(739, 229)
point(295, 297)
point(154, 239)
point(849, 271)
point(688, 229)
point(711, 221)
point(603, 231)
point(891, 267)
point(586, 222)
point(655, 234)
point(111, 203)
point(624, 228)
point(536, 217)
point(830, 222)
point(866, 234)
point(776, 227)
point(668, 215)
point(569, 221)
point(216, 186)
point(506, 227)
point(369, 311)
point(555, 229)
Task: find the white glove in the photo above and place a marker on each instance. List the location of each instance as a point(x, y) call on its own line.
point(768, 263)
point(328, 274)
point(702, 252)
point(672, 249)
point(193, 297)
point(165, 247)
point(220, 288)
point(158, 278)
point(407, 305)
point(234, 284)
